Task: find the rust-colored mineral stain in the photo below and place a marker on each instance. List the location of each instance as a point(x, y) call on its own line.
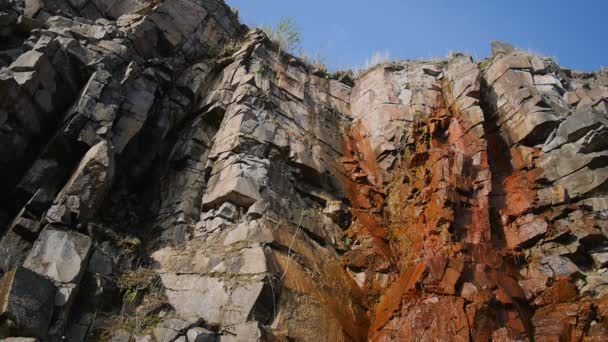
point(391, 300)
point(367, 200)
point(360, 144)
point(429, 229)
point(371, 224)
point(520, 192)
point(562, 291)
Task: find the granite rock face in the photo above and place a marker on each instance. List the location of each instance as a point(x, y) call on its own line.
point(170, 176)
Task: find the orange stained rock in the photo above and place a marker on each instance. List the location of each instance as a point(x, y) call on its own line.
point(362, 146)
point(563, 322)
point(429, 318)
point(370, 224)
point(392, 299)
point(522, 157)
point(363, 188)
point(373, 253)
point(435, 216)
point(562, 291)
point(353, 192)
point(520, 192)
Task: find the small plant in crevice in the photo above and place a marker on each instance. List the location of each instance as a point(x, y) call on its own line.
point(345, 76)
point(317, 63)
point(264, 71)
point(348, 243)
point(287, 38)
point(143, 300)
point(484, 64)
point(229, 48)
point(377, 58)
point(214, 50)
point(286, 35)
point(225, 49)
point(140, 278)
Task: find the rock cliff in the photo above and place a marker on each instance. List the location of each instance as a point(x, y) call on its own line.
point(168, 175)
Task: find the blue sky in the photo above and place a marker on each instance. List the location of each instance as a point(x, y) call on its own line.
point(348, 32)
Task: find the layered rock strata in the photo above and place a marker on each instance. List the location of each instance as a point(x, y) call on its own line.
point(169, 175)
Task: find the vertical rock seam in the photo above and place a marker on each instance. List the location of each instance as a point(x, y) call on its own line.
point(170, 175)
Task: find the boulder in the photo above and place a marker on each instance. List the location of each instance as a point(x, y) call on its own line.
point(169, 330)
point(501, 48)
point(228, 211)
point(27, 61)
point(120, 336)
point(215, 300)
point(178, 19)
point(26, 303)
point(558, 266)
point(257, 210)
point(14, 248)
point(59, 255)
point(238, 183)
point(199, 334)
point(135, 111)
point(78, 4)
point(249, 331)
point(26, 227)
point(90, 182)
point(59, 214)
point(525, 230)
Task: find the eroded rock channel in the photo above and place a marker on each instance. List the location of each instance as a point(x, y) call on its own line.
point(168, 175)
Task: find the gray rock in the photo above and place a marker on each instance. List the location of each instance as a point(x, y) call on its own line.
point(168, 330)
point(27, 61)
point(115, 9)
point(584, 181)
point(199, 334)
point(136, 108)
point(78, 4)
point(501, 48)
point(91, 181)
point(209, 298)
point(238, 183)
point(601, 259)
point(32, 7)
point(177, 19)
point(100, 263)
point(26, 227)
point(65, 295)
point(58, 214)
point(26, 303)
point(257, 210)
point(228, 211)
point(120, 336)
point(59, 255)
point(558, 266)
point(144, 338)
point(13, 250)
point(243, 332)
point(575, 127)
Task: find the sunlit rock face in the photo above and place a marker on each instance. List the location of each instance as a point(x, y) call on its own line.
point(169, 175)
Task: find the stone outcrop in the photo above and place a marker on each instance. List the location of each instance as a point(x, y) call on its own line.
point(169, 175)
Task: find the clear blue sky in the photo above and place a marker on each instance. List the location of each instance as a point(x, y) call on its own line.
point(348, 32)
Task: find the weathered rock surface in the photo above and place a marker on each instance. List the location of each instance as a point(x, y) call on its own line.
point(26, 305)
point(170, 176)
